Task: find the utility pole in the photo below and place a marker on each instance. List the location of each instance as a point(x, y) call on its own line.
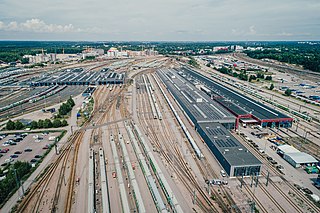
point(268, 178)
point(257, 179)
point(241, 181)
point(209, 190)
point(194, 197)
point(305, 136)
point(56, 149)
point(252, 177)
point(18, 182)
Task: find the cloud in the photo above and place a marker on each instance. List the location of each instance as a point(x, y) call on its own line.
point(38, 26)
point(252, 30)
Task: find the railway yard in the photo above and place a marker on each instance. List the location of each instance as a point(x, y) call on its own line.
point(163, 137)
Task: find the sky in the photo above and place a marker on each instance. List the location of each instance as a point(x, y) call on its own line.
point(161, 20)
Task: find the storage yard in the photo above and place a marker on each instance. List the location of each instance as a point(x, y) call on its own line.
point(163, 137)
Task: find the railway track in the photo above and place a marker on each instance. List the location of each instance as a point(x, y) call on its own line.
point(173, 156)
point(38, 190)
point(225, 201)
point(287, 183)
point(254, 198)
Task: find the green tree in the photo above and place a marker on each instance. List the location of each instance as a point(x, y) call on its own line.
point(260, 75)
point(271, 87)
point(64, 123)
point(288, 92)
point(56, 123)
point(64, 109)
point(10, 125)
point(252, 77)
point(34, 125)
point(18, 125)
point(70, 101)
point(47, 123)
point(268, 78)
point(25, 61)
point(40, 124)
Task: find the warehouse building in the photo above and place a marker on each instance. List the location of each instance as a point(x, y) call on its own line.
point(295, 157)
point(239, 105)
point(79, 76)
point(212, 122)
point(231, 154)
point(198, 107)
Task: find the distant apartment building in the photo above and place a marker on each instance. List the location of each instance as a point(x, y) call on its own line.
point(41, 58)
point(114, 52)
point(225, 48)
point(92, 52)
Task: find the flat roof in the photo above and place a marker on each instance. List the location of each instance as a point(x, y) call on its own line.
point(235, 101)
point(287, 149)
point(75, 76)
point(231, 149)
point(194, 101)
point(301, 157)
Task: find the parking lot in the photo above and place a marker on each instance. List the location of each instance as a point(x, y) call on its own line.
point(25, 147)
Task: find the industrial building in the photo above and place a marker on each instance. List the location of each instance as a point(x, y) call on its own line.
point(79, 76)
point(295, 157)
point(231, 154)
point(244, 108)
point(198, 107)
point(212, 122)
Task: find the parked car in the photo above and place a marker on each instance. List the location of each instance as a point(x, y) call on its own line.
point(18, 152)
point(34, 160)
point(6, 143)
point(307, 191)
point(14, 156)
point(24, 135)
point(28, 150)
point(37, 156)
point(8, 160)
point(269, 158)
point(46, 146)
point(273, 162)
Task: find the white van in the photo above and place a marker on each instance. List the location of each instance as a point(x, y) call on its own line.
point(223, 173)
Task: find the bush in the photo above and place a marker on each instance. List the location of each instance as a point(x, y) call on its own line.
point(64, 123)
point(268, 78)
point(288, 92)
point(271, 87)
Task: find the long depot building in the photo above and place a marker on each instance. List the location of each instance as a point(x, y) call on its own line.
point(212, 121)
point(244, 108)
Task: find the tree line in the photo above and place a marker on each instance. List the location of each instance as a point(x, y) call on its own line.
point(308, 59)
point(40, 124)
point(9, 184)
